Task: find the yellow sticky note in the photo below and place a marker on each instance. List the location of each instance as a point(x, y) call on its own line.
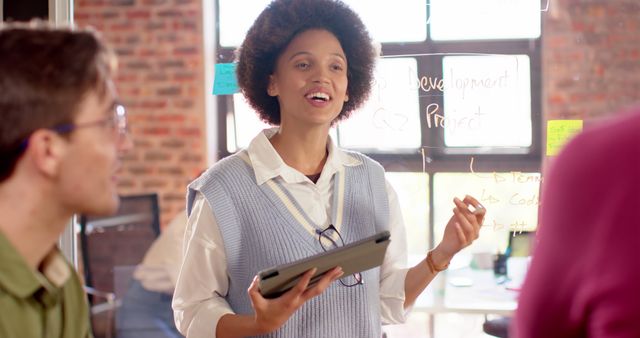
point(559, 132)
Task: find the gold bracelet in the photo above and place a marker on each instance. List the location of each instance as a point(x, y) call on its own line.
point(432, 266)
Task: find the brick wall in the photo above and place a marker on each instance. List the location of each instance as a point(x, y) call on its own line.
point(591, 58)
point(160, 80)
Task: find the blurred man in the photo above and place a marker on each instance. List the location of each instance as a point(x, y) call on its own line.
point(61, 134)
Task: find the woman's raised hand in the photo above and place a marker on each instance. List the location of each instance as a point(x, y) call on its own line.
point(463, 227)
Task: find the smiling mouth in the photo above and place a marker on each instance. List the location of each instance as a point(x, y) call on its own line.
point(318, 97)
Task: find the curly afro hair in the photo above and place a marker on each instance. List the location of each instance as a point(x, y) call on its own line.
point(274, 29)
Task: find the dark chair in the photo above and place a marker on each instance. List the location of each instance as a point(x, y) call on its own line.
point(111, 248)
point(498, 327)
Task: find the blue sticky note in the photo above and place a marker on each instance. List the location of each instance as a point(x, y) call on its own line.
point(225, 81)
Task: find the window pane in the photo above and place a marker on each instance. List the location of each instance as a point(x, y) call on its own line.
point(404, 21)
point(390, 118)
point(487, 101)
point(484, 19)
point(246, 124)
point(511, 200)
point(413, 194)
point(235, 19)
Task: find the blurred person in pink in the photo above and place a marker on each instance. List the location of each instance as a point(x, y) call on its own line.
point(583, 279)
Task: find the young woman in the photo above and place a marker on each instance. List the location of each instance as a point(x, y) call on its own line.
point(304, 65)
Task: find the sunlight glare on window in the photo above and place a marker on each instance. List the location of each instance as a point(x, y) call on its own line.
point(247, 124)
point(236, 17)
point(485, 19)
point(412, 189)
point(390, 118)
point(487, 101)
point(404, 21)
point(511, 200)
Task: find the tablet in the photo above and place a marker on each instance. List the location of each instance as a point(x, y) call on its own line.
point(356, 257)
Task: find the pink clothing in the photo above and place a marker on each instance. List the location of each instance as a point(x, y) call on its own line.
point(584, 279)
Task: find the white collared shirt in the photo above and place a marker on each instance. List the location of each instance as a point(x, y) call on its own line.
point(203, 282)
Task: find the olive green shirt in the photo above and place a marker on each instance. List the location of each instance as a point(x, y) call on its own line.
point(45, 303)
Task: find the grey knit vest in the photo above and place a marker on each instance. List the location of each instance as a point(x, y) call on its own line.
point(259, 231)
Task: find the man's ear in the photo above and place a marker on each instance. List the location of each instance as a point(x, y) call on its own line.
point(46, 149)
point(272, 88)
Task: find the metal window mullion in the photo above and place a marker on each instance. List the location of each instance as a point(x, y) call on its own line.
point(61, 13)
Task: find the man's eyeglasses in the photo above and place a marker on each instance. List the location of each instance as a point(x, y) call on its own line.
point(327, 241)
point(117, 123)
